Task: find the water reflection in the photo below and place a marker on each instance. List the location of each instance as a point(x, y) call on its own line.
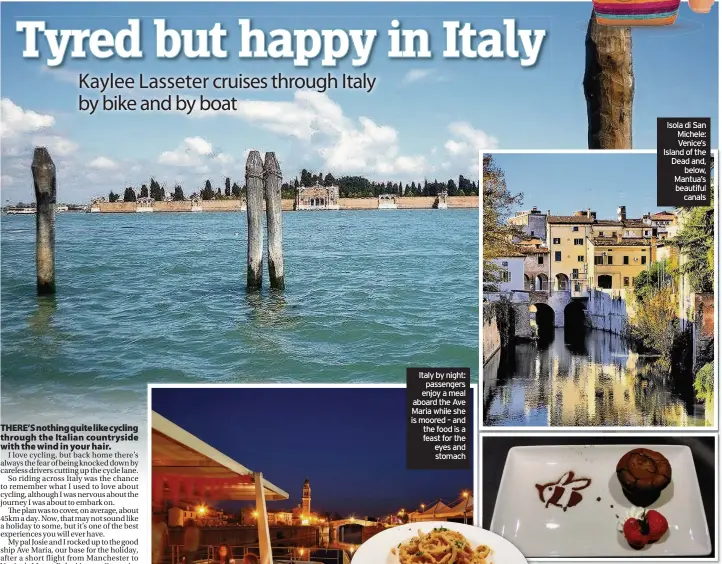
point(268, 309)
point(585, 378)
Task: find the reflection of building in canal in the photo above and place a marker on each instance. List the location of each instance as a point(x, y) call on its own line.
point(596, 383)
point(317, 198)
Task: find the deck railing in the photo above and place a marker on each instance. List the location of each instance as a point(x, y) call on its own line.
point(281, 554)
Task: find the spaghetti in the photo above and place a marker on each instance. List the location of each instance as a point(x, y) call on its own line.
point(441, 546)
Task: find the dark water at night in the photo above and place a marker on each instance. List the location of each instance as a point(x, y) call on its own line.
point(588, 379)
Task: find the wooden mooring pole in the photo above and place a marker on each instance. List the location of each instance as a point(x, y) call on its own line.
point(254, 211)
point(44, 180)
point(609, 86)
point(272, 189)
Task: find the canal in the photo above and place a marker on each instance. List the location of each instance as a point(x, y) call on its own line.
point(585, 378)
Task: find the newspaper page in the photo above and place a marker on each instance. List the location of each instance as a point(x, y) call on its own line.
point(359, 282)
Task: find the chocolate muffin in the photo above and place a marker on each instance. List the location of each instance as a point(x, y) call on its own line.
point(643, 473)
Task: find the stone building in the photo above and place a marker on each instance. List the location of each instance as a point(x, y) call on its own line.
point(532, 222)
point(317, 198)
point(537, 266)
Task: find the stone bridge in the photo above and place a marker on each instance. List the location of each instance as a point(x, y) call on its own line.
point(557, 300)
point(336, 527)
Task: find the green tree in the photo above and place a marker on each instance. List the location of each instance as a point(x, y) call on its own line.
point(129, 195)
point(178, 194)
point(655, 322)
point(236, 190)
point(113, 197)
point(207, 193)
point(144, 191)
point(656, 277)
point(228, 186)
point(695, 241)
point(704, 383)
point(156, 191)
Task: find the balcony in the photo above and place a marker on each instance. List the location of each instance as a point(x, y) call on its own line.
point(579, 289)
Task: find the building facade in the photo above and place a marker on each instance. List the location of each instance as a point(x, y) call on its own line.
point(510, 274)
point(298, 516)
point(317, 198)
point(532, 222)
point(615, 263)
point(567, 237)
point(536, 267)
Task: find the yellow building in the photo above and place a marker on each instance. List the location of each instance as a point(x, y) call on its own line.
point(614, 263)
point(567, 241)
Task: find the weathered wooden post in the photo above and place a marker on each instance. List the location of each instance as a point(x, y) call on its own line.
point(45, 193)
point(609, 86)
point(272, 188)
point(254, 211)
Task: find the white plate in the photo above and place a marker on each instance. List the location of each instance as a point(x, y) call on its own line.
point(589, 529)
point(377, 550)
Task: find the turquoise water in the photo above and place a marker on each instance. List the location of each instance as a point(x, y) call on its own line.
point(160, 298)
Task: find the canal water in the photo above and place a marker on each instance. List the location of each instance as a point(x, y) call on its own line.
point(160, 298)
point(591, 378)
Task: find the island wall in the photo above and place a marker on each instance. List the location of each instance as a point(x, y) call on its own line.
point(417, 203)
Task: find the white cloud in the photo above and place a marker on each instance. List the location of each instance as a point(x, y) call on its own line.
point(57, 145)
point(466, 140)
point(199, 145)
point(103, 163)
point(416, 75)
point(197, 153)
point(15, 120)
point(346, 145)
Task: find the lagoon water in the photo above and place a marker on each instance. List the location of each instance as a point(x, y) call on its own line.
point(160, 298)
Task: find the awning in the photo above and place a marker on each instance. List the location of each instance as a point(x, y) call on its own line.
point(181, 461)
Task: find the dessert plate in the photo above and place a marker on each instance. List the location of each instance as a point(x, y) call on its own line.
point(582, 520)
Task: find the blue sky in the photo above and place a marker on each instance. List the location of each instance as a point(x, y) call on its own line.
point(349, 442)
point(424, 118)
point(565, 183)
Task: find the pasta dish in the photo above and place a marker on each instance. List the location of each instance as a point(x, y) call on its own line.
point(441, 546)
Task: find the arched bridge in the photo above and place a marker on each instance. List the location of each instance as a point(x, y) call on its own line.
point(343, 522)
point(337, 530)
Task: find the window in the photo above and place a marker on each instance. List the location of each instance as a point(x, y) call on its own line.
point(556, 241)
point(598, 259)
point(540, 259)
point(626, 280)
point(580, 258)
point(557, 256)
point(506, 276)
point(575, 273)
point(601, 233)
point(626, 260)
point(578, 241)
point(532, 234)
point(575, 228)
point(644, 259)
point(609, 259)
